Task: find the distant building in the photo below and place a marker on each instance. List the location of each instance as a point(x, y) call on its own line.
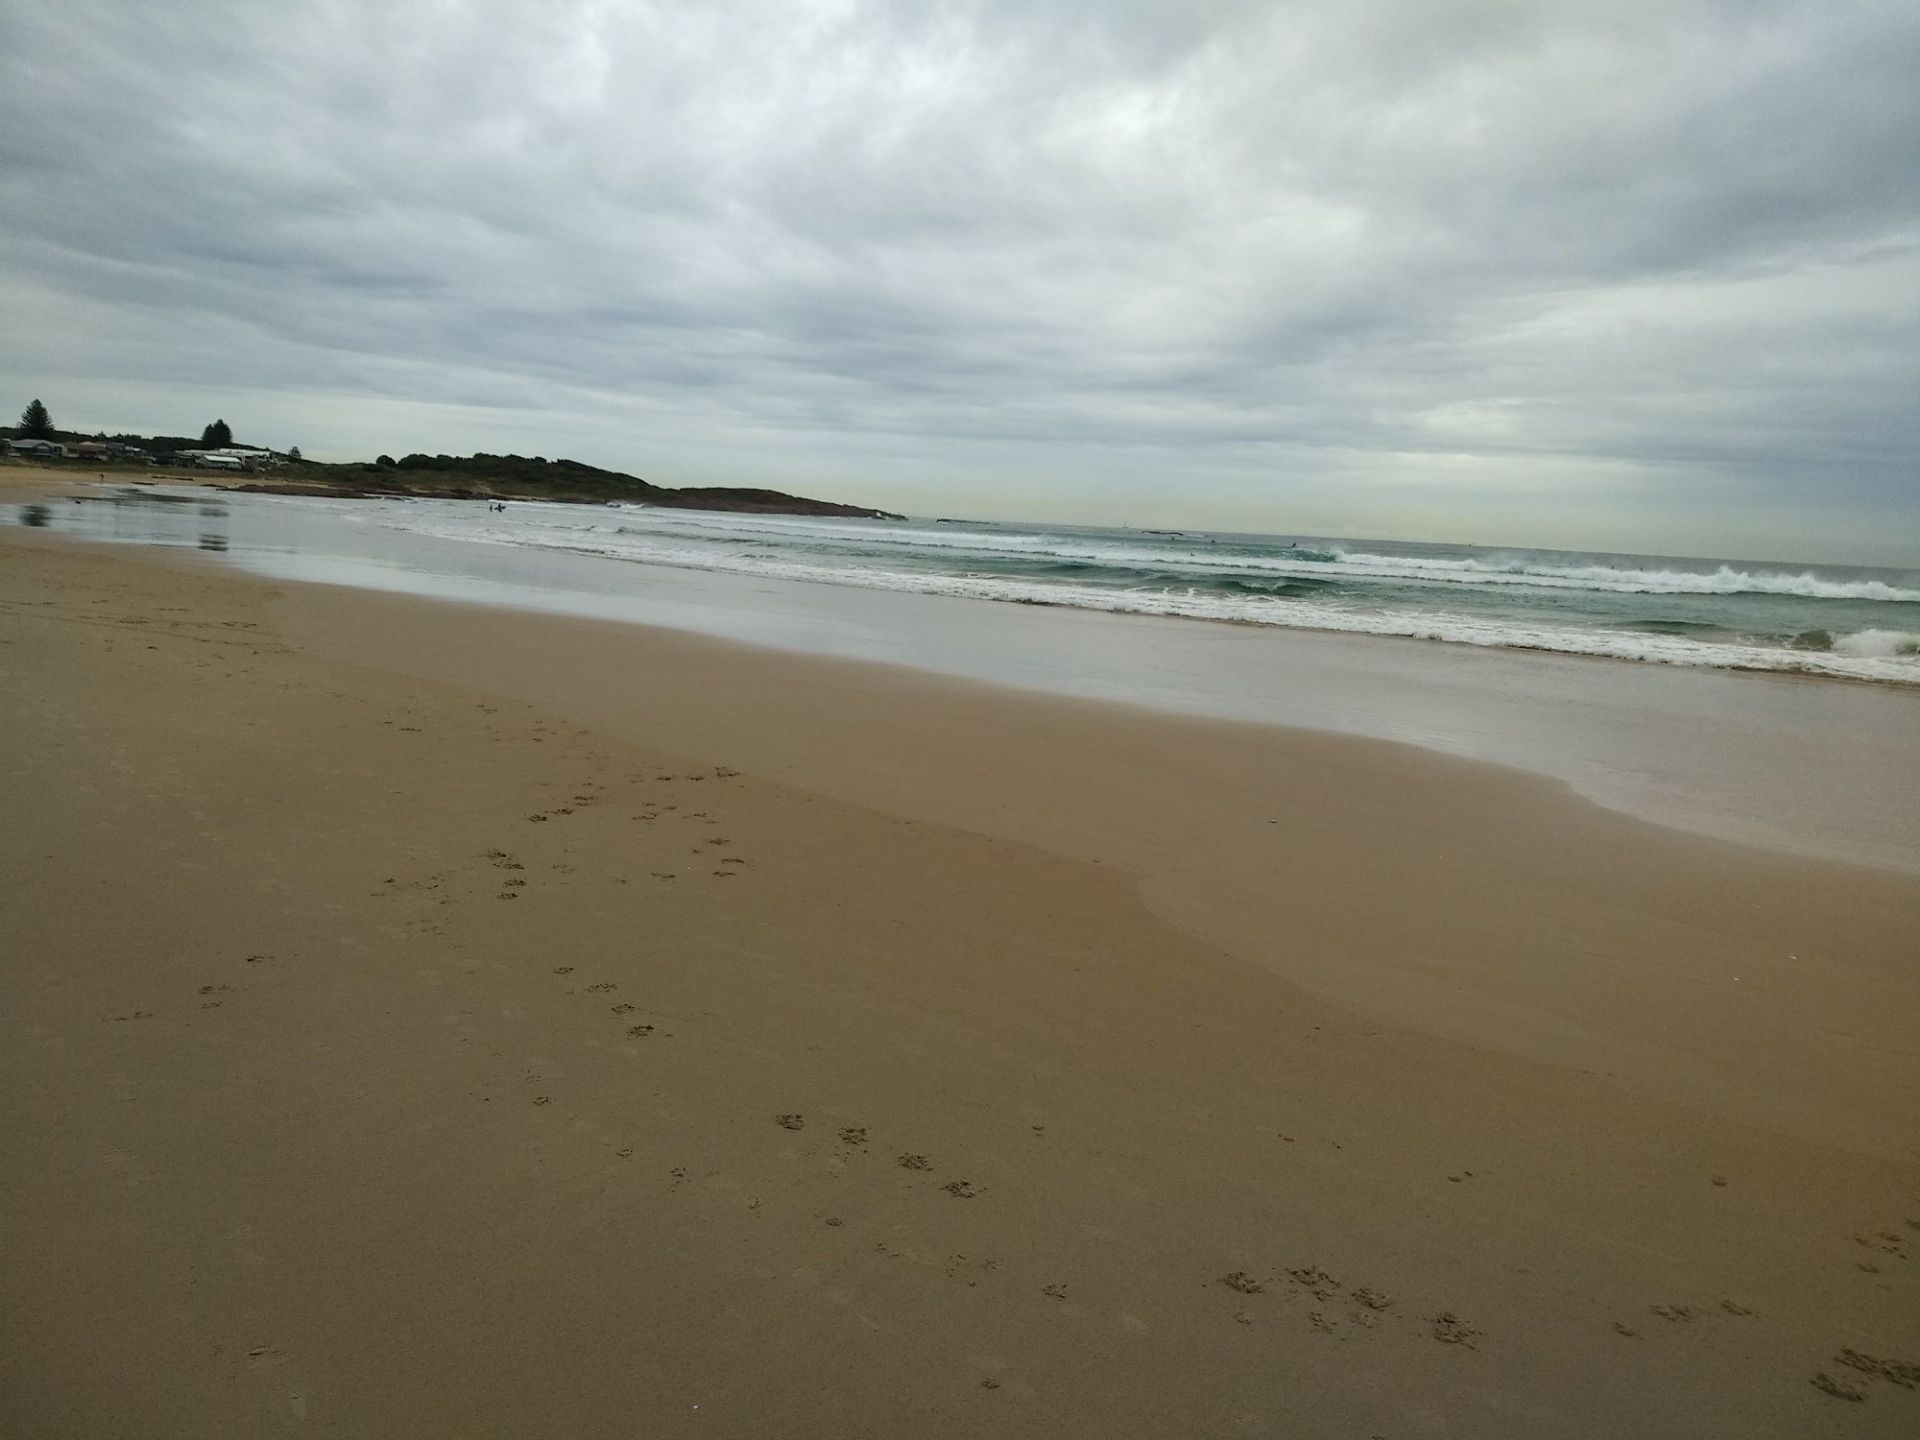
point(34, 449)
point(228, 459)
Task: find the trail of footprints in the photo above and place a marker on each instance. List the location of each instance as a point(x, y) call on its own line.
point(1336, 1309)
point(511, 879)
point(653, 810)
point(1362, 1308)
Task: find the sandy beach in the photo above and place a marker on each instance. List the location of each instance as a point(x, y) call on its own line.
point(426, 1020)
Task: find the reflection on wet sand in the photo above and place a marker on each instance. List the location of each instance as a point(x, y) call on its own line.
point(140, 517)
point(1718, 752)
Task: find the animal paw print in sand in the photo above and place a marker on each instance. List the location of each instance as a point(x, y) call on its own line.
point(960, 1189)
point(1904, 1373)
point(1884, 1242)
point(1316, 1281)
point(1450, 1329)
point(791, 1122)
point(913, 1162)
point(1838, 1389)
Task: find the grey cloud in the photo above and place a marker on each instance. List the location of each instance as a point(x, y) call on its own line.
point(1262, 245)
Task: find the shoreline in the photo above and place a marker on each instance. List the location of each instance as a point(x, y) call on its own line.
point(1729, 754)
point(1209, 1035)
point(1807, 670)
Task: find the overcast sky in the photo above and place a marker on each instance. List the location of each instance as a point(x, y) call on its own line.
point(1626, 275)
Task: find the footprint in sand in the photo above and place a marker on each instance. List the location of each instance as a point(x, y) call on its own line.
point(1316, 1281)
point(1450, 1329)
point(791, 1122)
point(1886, 1242)
point(913, 1162)
point(1904, 1373)
point(1839, 1389)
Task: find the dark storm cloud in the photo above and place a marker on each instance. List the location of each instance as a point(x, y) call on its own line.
point(1504, 251)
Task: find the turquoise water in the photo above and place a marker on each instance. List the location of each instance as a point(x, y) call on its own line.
point(1701, 742)
point(1823, 619)
point(1834, 620)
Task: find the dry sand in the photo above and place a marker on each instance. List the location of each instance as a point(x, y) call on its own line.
point(424, 1021)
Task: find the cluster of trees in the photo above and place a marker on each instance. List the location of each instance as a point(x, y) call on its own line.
point(36, 423)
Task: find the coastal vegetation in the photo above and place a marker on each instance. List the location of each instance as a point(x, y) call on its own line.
point(35, 423)
point(482, 476)
point(479, 476)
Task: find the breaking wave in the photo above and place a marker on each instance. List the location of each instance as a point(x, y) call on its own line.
point(1725, 580)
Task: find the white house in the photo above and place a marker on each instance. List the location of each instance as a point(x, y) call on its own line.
point(37, 449)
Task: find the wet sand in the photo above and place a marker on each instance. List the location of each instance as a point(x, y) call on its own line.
point(425, 1020)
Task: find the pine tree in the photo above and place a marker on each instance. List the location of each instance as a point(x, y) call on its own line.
point(36, 423)
point(216, 436)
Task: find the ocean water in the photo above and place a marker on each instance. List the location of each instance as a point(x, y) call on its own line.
point(1244, 629)
point(1834, 620)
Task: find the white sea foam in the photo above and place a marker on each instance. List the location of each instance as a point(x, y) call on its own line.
point(1229, 558)
point(1881, 655)
point(1725, 580)
point(1878, 643)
